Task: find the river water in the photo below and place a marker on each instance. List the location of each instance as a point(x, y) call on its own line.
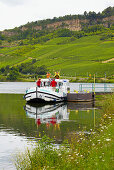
point(20, 87)
point(21, 124)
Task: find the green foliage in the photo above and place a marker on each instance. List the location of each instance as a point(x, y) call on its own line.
point(28, 34)
point(94, 28)
point(63, 33)
point(70, 55)
point(108, 12)
point(0, 42)
point(29, 68)
point(13, 74)
point(2, 37)
point(90, 15)
point(78, 151)
point(107, 36)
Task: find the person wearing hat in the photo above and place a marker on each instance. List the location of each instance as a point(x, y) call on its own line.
point(38, 82)
point(57, 75)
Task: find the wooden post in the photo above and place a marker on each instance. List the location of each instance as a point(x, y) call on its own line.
point(94, 84)
point(94, 117)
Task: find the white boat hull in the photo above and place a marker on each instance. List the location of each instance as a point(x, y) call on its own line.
point(44, 95)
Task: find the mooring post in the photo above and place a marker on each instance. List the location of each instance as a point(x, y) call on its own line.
point(92, 87)
point(94, 117)
point(93, 96)
point(94, 84)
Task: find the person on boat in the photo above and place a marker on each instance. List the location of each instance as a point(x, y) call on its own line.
point(38, 82)
point(57, 75)
point(53, 84)
point(49, 81)
point(48, 75)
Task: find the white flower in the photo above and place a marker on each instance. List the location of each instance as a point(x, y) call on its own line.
point(108, 139)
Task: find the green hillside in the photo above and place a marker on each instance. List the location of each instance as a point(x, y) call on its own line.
point(31, 50)
point(79, 57)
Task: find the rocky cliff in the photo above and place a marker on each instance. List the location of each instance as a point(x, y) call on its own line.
point(73, 25)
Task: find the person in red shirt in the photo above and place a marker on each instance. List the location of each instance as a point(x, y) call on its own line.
point(38, 82)
point(53, 84)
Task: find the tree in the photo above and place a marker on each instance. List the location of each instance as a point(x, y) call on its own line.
point(108, 12)
point(63, 33)
point(13, 75)
point(85, 14)
point(2, 70)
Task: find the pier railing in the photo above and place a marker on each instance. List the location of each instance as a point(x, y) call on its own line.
point(104, 87)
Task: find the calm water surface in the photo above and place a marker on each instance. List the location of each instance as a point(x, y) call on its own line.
point(20, 122)
point(20, 87)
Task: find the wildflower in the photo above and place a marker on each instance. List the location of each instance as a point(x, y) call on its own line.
point(105, 116)
point(109, 117)
point(108, 140)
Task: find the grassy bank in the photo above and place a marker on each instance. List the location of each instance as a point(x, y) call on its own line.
point(79, 151)
point(32, 78)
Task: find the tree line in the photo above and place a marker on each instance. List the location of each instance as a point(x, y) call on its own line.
point(87, 15)
point(28, 68)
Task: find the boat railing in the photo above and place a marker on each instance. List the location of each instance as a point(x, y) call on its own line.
point(104, 87)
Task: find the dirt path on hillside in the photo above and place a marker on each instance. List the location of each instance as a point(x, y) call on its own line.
point(106, 61)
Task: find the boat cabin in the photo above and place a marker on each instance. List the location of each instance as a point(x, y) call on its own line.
point(60, 82)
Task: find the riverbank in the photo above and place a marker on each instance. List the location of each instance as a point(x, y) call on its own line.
point(71, 79)
point(91, 80)
point(79, 151)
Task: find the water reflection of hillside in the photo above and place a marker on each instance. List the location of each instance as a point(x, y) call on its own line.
point(61, 119)
point(57, 120)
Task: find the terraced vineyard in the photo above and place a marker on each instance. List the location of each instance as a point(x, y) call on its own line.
point(79, 57)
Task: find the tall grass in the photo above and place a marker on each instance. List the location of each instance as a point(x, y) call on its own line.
point(79, 151)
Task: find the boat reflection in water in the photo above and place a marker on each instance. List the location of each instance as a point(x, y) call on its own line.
point(61, 120)
point(48, 114)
